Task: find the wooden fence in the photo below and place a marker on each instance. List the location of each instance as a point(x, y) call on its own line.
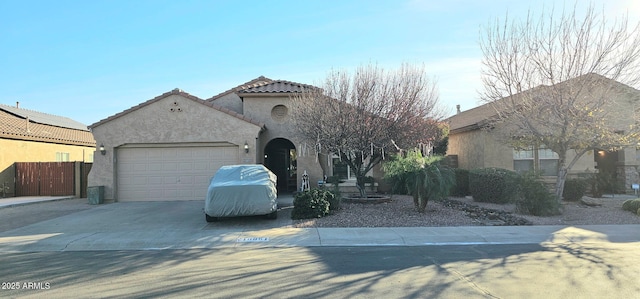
point(51, 178)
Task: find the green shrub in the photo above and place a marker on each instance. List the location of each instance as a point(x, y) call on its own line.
point(334, 197)
point(397, 188)
point(605, 182)
point(461, 188)
point(535, 199)
point(310, 204)
point(631, 205)
point(574, 189)
point(424, 178)
point(638, 212)
point(494, 185)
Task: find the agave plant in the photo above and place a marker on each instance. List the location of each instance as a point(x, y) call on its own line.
point(425, 178)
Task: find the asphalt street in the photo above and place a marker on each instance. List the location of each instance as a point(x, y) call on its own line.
point(473, 271)
point(166, 250)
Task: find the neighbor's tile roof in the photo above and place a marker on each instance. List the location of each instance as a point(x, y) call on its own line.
point(475, 118)
point(44, 118)
point(279, 86)
point(470, 119)
point(185, 95)
point(19, 128)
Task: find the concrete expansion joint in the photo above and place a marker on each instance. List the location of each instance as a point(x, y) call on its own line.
point(484, 239)
point(318, 234)
point(404, 241)
point(77, 239)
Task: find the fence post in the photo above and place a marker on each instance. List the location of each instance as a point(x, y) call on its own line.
point(77, 179)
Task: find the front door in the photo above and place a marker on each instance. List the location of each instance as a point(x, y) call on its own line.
point(280, 157)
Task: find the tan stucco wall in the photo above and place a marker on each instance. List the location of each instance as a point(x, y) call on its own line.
point(469, 147)
point(258, 107)
point(12, 151)
point(586, 163)
point(496, 154)
point(478, 149)
point(155, 123)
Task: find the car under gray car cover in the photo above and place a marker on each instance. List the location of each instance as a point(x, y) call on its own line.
point(241, 190)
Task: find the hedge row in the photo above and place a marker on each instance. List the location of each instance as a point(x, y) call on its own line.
point(494, 185)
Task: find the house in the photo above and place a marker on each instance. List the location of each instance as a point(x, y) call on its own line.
point(31, 136)
point(169, 147)
point(472, 145)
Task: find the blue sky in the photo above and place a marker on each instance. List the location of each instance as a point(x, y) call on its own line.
point(88, 60)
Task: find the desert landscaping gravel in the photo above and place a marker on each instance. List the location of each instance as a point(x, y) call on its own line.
point(399, 212)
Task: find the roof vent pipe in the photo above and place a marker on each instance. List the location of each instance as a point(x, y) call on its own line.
point(457, 108)
point(18, 105)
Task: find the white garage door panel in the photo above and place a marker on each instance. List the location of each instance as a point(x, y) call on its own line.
point(169, 173)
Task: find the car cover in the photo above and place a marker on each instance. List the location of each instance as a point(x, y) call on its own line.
point(241, 190)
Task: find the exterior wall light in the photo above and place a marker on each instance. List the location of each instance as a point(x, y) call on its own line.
point(102, 150)
point(246, 147)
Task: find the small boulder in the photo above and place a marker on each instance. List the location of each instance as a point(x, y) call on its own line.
point(590, 201)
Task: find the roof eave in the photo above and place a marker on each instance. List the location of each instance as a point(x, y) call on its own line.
point(468, 128)
point(180, 93)
point(46, 140)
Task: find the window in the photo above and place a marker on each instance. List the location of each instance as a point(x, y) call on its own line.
point(342, 170)
point(539, 159)
point(62, 157)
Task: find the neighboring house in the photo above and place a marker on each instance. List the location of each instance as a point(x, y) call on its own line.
point(474, 146)
point(169, 147)
point(31, 136)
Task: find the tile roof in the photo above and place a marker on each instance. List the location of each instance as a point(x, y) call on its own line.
point(16, 127)
point(44, 118)
point(476, 117)
point(185, 95)
point(262, 80)
point(470, 119)
point(279, 86)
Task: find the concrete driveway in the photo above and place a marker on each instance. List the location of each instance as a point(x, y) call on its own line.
point(150, 225)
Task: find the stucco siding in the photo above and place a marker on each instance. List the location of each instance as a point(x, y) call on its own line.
point(31, 151)
point(469, 147)
point(260, 109)
point(230, 101)
point(586, 163)
point(496, 154)
point(171, 120)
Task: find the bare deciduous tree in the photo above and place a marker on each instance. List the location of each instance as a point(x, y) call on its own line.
point(554, 81)
point(363, 116)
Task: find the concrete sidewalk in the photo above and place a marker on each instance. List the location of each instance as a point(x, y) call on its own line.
point(26, 200)
point(181, 225)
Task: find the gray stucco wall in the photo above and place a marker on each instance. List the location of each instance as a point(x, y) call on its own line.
point(230, 101)
point(259, 107)
point(171, 120)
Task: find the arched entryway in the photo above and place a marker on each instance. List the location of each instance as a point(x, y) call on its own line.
point(281, 158)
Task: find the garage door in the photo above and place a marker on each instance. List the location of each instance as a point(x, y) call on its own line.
point(169, 173)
